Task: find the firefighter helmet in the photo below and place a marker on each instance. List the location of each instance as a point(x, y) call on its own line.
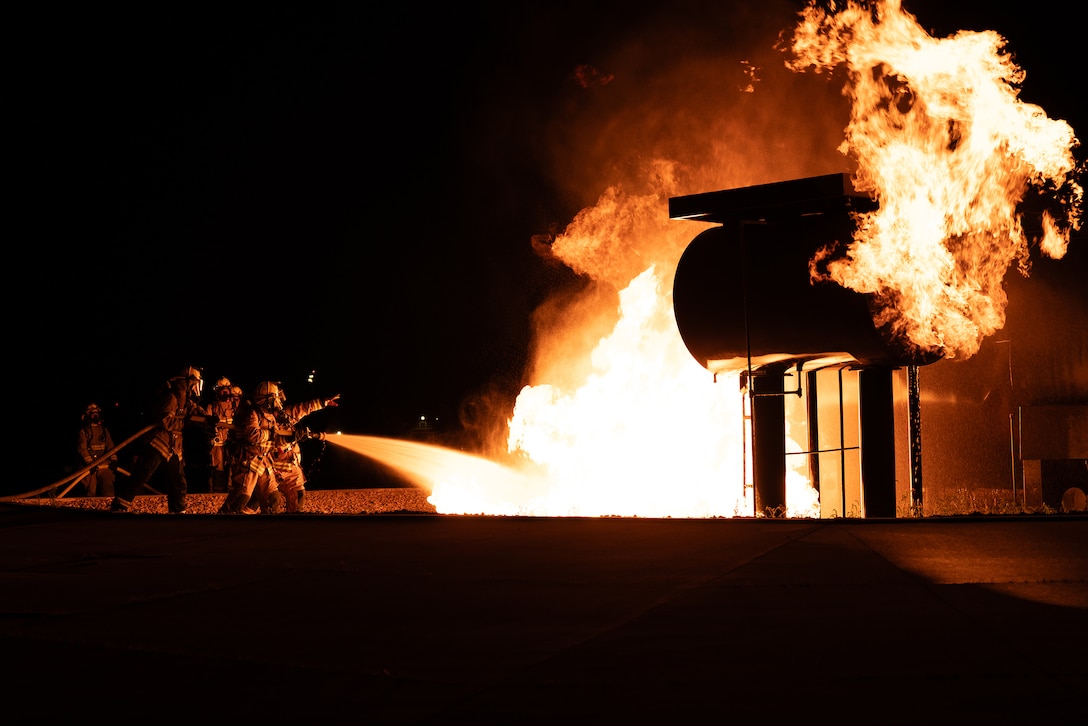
point(236, 391)
point(192, 380)
point(268, 395)
point(223, 382)
point(93, 412)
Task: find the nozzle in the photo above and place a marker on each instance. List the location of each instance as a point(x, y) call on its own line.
point(307, 434)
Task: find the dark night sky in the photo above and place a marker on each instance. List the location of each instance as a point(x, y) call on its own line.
point(265, 192)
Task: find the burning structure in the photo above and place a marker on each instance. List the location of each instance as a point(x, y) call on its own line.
point(744, 301)
point(813, 302)
point(899, 265)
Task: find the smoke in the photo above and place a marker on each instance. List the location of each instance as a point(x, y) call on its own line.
point(686, 101)
point(704, 91)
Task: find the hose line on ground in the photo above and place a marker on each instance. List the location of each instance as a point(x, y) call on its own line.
point(82, 472)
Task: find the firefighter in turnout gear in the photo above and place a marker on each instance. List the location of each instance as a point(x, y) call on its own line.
point(222, 408)
point(254, 431)
point(261, 427)
point(286, 452)
point(178, 407)
point(94, 442)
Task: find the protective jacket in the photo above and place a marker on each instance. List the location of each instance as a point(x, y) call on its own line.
point(285, 449)
point(255, 431)
point(223, 411)
point(175, 411)
point(265, 437)
point(94, 442)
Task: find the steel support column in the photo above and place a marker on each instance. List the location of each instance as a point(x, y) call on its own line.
point(769, 442)
point(877, 428)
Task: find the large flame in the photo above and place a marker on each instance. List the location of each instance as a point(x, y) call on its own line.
point(619, 420)
point(638, 427)
point(941, 138)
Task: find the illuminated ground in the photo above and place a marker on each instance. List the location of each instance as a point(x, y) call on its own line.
point(338, 501)
point(455, 619)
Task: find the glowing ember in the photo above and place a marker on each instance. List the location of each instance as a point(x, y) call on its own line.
point(941, 138)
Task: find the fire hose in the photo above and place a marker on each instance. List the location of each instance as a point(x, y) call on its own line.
point(73, 479)
point(299, 433)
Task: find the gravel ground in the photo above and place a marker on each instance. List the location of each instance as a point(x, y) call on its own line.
point(407, 500)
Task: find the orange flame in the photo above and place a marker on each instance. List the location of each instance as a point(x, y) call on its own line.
point(637, 427)
point(940, 137)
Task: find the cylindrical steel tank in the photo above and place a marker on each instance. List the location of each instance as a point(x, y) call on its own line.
point(745, 298)
point(743, 291)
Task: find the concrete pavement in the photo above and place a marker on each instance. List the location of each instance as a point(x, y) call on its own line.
point(433, 619)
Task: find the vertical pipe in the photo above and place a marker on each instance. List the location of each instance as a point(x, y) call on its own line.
point(877, 427)
point(1012, 455)
point(1020, 438)
point(915, 415)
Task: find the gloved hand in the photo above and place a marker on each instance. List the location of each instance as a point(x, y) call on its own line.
point(333, 402)
point(112, 465)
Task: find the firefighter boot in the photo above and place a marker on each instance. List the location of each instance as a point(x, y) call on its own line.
point(276, 503)
point(234, 502)
point(121, 505)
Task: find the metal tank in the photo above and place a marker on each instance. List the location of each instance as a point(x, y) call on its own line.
point(743, 292)
point(744, 300)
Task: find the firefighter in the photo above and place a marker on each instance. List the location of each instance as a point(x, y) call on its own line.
point(261, 429)
point(178, 407)
point(286, 452)
point(94, 442)
point(222, 408)
point(254, 427)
